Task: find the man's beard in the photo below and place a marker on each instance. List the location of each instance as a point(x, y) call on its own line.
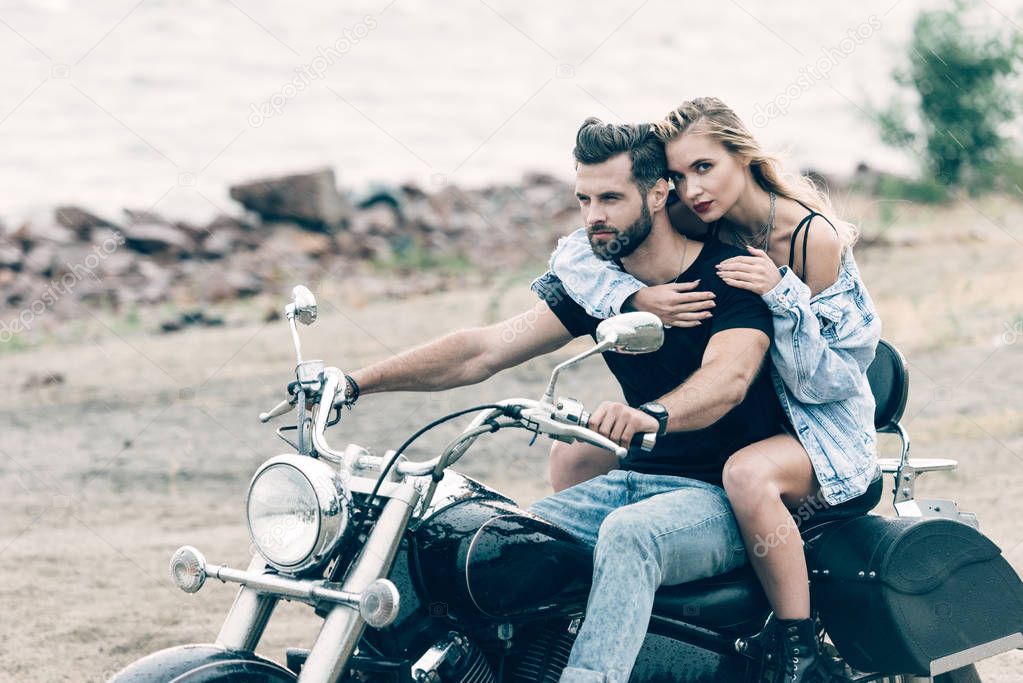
point(625, 241)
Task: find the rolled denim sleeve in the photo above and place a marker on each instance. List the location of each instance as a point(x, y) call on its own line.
point(600, 287)
point(814, 369)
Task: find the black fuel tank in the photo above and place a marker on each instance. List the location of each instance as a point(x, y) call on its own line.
point(489, 560)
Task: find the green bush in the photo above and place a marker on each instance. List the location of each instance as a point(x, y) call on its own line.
point(925, 190)
point(411, 257)
point(958, 93)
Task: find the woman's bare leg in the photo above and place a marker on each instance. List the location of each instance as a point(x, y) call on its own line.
point(574, 463)
point(763, 481)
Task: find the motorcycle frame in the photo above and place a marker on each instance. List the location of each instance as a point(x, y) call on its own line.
point(343, 625)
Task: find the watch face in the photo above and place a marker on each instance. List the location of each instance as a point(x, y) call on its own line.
point(659, 413)
point(654, 408)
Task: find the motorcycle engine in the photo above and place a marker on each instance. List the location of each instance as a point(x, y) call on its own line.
point(454, 658)
point(545, 657)
point(457, 659)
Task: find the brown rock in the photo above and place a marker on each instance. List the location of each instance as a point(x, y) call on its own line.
point(7, 278)
point(145, 216)
point(352, 245)
point(222, 241)
point(310, 199)
point(43, 379)
point(413, 191)
point(80, 221)
point(196, 233)
point(379, 219)
point(106, 241)
point(117, 264)
point(224, 221)
point(42, 260)
point(11, 255)
point(157, 239)
point(157, 281)
point(22, 289)
point(227, 234)
point(224, 285)
point(378, 248)
point(99, 292)
point(42, 230)
point(539, 178)
point(78, 260)
point(422, 216)
point(287, 239)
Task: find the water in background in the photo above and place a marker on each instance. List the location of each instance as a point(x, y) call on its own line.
point(163, 104)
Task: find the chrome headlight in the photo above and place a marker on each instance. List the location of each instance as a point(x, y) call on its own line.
point(297, 511)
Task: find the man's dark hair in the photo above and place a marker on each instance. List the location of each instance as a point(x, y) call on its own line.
point(596, 142)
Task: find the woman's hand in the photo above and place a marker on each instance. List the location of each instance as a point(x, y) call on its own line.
point(620, 423)
point(675, 303)
point(756, 272)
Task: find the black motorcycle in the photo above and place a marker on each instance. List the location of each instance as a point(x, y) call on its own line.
point(456, 583)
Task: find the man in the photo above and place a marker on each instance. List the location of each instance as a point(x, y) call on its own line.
point(662, 518)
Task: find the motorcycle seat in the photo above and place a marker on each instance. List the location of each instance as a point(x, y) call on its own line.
point(734, 603)
point(854, 507)
point(731, 603)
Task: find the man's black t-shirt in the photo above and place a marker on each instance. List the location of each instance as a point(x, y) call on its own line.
point(699, 454)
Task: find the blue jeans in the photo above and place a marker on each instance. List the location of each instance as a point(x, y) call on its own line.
point(646, 530)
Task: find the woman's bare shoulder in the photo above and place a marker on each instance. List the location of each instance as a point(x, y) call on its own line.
point(822, 253)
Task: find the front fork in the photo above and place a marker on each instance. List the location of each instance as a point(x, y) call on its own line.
point(248, 616)
point(343, 626)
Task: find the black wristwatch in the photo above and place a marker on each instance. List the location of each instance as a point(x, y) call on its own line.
point(659, 413)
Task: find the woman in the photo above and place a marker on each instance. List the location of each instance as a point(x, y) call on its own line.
point(825, 333)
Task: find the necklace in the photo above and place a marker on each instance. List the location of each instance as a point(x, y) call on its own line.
point(763, 236)
point(681, 266)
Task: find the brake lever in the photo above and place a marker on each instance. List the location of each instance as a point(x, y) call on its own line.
point(546, 423)
point(283, 407)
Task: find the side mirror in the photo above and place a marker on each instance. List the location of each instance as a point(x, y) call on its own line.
point(631, 333)
point(303, 309)
point(302, 306)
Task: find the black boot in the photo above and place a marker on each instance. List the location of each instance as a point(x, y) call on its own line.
point(798, 652)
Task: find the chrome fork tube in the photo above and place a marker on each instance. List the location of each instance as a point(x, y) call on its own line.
point(343, 627)
point(248, 616)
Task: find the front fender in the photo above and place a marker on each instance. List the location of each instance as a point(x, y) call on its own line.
point(202, 664)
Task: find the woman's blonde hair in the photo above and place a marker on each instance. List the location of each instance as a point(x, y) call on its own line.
point(719, 121)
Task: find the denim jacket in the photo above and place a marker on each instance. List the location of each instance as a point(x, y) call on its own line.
point(821, 350)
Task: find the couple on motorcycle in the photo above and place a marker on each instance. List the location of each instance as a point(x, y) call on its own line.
point(743, 264)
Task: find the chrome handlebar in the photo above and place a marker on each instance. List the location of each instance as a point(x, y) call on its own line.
point(524, 413)
point(542, 415)
point(332, 378)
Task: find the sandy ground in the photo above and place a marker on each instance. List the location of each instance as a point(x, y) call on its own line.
point(150, 441)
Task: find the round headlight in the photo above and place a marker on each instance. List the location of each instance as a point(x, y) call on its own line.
point(297, 512)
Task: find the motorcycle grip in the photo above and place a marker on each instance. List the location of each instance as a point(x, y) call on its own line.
point(644, 442)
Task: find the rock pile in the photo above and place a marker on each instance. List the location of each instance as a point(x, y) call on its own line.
point(298, 228)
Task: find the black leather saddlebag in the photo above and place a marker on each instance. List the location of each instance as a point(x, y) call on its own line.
point(896, 595)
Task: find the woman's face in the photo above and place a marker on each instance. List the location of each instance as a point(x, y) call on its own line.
point(707, 177)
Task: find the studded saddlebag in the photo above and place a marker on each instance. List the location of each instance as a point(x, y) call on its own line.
point(896, 595)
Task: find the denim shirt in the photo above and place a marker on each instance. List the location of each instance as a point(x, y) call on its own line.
point(820, 353)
